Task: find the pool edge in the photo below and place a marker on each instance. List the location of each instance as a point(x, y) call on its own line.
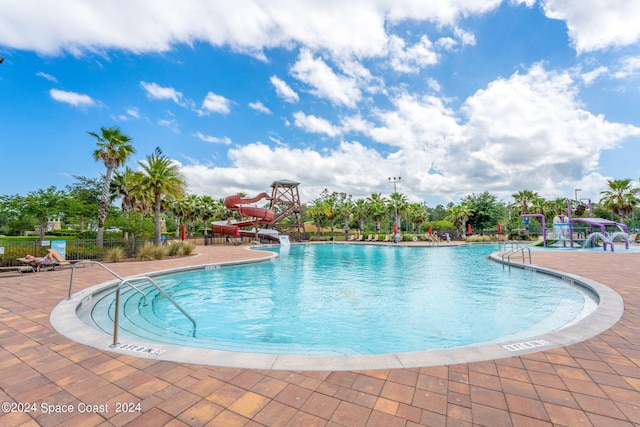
point(610, 309)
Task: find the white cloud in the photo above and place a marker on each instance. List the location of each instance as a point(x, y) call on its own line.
point(532, 131)
point(591, 76)
point(47, 76)
point(155, 91)
point(629, 66)
point(260, 107)
point(72, 98)
point(133, 112)
point(356, 28)
point(339, 89)
point(411, 59)
point(216, 104)
point(313, 124)
point(283, 90)
point(597, 24)
point(214, 139)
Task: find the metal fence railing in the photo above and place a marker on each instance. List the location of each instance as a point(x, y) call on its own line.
point(11, 250)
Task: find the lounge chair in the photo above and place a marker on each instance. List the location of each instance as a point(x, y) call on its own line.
point(19, 268)
point(375, 238)
point(387, 238)
point(369, 238)
point(60, 261)
point(633, 238)
point(46, 262)
point(352, 237)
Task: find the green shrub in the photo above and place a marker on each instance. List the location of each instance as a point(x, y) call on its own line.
point(115, 254)
point(477, 238)
point(181, 248)
point(159, 252)
point(147, 252)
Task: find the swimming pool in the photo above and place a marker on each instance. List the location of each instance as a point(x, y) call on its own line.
point(352, 300)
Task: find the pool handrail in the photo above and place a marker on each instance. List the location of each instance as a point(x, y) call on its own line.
point(123, 282)
point(155, 285)
point(514, 251)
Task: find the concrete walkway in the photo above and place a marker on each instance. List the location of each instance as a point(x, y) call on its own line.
point(593, 383)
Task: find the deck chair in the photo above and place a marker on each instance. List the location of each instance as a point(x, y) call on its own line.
point(60, 261)
point(369, 238)
point(37, 263)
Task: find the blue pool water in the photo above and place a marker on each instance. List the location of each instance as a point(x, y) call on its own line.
point(355, 299)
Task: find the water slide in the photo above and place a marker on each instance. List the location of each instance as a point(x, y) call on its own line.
point(256, 216)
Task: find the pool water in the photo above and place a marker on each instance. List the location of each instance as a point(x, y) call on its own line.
point(355, 299)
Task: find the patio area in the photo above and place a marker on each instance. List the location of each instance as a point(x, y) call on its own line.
point(593, 383)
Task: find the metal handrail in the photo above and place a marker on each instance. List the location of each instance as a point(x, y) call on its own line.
point(163, 293)
point(89, 261)
point(513, 244)
point(123, 282)
point(512, 252)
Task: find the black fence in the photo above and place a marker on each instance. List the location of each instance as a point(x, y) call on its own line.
point(11, 250)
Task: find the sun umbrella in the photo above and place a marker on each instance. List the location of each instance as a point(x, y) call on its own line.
point(183, 235)
point(469, 230)
point(499, 229)
point(429, 229)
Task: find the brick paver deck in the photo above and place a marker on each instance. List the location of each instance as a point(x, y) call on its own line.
point(593, 383)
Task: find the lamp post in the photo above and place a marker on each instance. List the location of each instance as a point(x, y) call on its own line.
point(575, 191)
point(395, 180)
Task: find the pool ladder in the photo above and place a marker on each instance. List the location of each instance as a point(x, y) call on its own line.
point(516, 251)
point(122, 283)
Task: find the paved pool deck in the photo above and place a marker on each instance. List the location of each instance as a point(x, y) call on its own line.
point(592, 383)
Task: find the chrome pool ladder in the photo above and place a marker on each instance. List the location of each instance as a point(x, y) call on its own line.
point(122, 283)
point(516, 251)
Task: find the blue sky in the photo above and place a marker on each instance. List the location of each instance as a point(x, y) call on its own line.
point(456, 97)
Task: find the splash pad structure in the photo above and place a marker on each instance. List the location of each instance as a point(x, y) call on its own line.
point(600, 230)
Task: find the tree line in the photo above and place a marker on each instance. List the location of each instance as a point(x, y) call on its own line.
point(154, 195)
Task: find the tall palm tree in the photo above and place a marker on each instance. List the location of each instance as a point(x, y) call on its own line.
point(360, 212)
point(162, 177)
point(398, 205)
point(113, 149)
point(345, 209)
point(524, 198)
point(620, 198)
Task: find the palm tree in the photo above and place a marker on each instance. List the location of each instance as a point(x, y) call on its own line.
point(620, 198)
point(113, 149)
point(162, 177)
point(317, 211)
point(345, 209)
point(417, 214)
point(524, 198)
point(360, 212)
point(127, 186)
point(398, 205)
point(459, 215)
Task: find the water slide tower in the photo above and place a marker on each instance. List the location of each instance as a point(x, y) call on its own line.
point(285, 202)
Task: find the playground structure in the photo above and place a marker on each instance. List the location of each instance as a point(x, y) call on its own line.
point(563, 228)
point(281, 220)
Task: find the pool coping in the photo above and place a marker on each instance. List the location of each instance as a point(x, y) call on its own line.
point(610, 309)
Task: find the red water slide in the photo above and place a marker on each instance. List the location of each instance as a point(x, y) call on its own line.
point(258, 215)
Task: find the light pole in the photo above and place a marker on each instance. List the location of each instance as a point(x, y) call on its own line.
point(395, 180)
point(575, 191)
